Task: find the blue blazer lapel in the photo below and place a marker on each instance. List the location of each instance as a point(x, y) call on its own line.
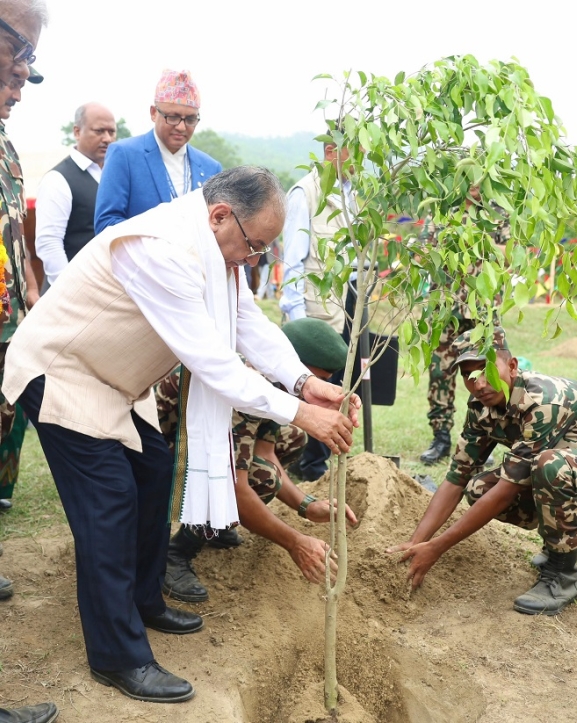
point(156, 167)
point(198, 175)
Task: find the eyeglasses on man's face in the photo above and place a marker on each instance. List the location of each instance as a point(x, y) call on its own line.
point(253, 251)
point(26, 52)
point(174, 120)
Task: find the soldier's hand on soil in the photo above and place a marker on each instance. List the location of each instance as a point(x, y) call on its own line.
point(320, 511)
point(309, 555)
point(423, 555)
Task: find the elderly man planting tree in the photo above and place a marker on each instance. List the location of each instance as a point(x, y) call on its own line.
point(161, 288)
point(535, 487)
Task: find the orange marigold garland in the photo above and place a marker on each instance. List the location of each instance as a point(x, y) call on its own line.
point(4, 295)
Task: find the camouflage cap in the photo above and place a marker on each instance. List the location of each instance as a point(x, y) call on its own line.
point(317, 344)
point(466, 350)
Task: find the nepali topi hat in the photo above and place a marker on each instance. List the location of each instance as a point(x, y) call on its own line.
point(177, 86)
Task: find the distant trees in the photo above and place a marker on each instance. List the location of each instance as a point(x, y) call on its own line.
point(216, 146)
point(122, 131)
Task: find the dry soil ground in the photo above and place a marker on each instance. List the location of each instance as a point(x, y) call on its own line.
point(454, 652)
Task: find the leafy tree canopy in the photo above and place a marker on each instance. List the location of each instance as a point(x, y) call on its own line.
point(418, 144)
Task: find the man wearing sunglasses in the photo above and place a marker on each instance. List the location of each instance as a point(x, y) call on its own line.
point(160, 165)
point(20, 24)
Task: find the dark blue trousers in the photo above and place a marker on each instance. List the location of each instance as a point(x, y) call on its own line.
point(116, 501)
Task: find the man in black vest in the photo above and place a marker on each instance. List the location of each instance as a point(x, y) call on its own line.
point(67, 194)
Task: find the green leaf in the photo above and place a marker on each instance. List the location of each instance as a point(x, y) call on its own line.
point(399, 78)
point(328, 179)
point(521, 294)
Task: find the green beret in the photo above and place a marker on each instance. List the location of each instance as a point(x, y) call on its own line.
point(317, 344)
point(466, 350)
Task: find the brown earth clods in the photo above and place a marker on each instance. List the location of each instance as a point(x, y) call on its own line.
point(453, 652)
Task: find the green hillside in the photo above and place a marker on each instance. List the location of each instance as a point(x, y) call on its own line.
point(279, 153)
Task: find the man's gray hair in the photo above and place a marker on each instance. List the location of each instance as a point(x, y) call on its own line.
point(247, 189)
point(80, 116)
point(24, 7)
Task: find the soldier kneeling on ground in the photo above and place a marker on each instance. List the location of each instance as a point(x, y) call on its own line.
point(535, 487)
point(261, 447)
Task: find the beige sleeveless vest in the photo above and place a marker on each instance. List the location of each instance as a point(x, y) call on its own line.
point(99, 354)
point(333, 309)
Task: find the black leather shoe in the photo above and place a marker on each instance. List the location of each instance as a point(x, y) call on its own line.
point(151, 683)
point(43, 713)
point(6, 591)
point(175, 621)
point(5, 505)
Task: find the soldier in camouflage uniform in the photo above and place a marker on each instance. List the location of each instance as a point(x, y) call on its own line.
point(22, 21)
point(13, 290)
point(534, 488)
point(261, 449)
point(442, 377)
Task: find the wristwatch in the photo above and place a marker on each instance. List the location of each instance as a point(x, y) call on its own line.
point(304, 504)
point(299, 384)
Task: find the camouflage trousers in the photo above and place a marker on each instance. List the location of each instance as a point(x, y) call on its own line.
point(7, 410)
point(166, 395)
point(263, 475)
point(549, 504)
point(442, 380)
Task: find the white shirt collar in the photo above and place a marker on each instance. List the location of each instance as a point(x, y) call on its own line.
point(82, 161)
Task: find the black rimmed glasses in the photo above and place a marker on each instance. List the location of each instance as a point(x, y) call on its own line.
point(253, 251)
point(174, 120)
point(26, 52)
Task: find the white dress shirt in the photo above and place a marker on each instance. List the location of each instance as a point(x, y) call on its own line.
point(177, 167)
point(53, 208)
point(296, 245)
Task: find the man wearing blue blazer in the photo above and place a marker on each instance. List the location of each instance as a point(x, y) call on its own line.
point(160, 165)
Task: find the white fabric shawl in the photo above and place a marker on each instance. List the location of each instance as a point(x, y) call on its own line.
point(209, 495)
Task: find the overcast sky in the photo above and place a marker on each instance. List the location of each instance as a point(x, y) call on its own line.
point(254, 61)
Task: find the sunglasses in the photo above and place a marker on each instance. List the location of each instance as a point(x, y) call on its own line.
point(26, 52)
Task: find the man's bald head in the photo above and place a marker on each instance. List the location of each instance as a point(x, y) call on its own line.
point(94, 130)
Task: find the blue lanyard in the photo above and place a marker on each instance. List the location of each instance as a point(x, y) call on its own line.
point(187, 178)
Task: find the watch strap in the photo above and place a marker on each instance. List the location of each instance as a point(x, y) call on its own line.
point(304, 504)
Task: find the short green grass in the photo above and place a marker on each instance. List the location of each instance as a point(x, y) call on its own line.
point(398, 430)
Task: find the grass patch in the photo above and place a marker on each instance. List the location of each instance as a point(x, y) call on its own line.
point(36, 504)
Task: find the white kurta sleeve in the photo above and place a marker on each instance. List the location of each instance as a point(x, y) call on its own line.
point(167, 285)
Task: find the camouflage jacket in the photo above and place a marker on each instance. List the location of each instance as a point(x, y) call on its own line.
point(12, 212)
point(500, 236)
point(541, 414)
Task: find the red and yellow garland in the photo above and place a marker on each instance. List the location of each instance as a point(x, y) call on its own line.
point(4, 297)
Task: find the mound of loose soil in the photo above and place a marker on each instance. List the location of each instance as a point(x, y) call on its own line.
point(454, 652)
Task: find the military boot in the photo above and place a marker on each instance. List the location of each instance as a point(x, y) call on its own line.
point(440, 448)
point(225, 539)
point(6, 588)
point(541, 557)
point(555, 588)
point(181, 581)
